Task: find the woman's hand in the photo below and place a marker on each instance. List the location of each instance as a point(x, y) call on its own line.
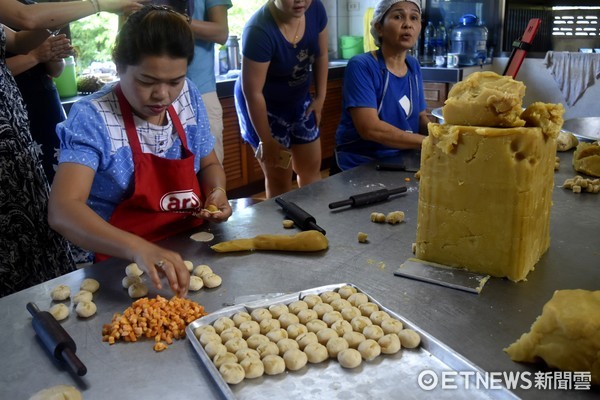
point(160, 263)
point(124, 7)
point(217, 198)
point(316, 106)
point(271, 153)
point(55, 48)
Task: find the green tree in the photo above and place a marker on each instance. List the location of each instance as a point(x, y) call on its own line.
point(93, 38)
point(240, 13)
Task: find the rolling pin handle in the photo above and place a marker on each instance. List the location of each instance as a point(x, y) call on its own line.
point(74, 363)
point(341, 203)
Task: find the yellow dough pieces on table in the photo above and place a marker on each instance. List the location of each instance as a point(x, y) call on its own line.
point(567, 334)
point(586, 158)
point(58, 392)
point(302, 241)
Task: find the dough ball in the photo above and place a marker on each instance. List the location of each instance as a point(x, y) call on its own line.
point(368, 308)
point(232, 373)
point(59, 311)
point(322, 309)
point(273, 364)
point(242, 354)
point(332, 316)
point(340, 304)
point(278, 310)
point(394, 217)
point(231, 333)
point(213, 348)
point(390, 343)
point(351, 312)
point(268, 325)
point(354, 339)
point(221, 359)
point(324, 335)
point(133, 270)
point(58, 392)
point(349, 358)
point(362, 237)
point(276, 335)
point(202, 270)
point(316, 353)
point(189, 265)
point(346, 291)
point(377, 217)
point(311, 300)
point(306, 338)
point(373, 332)
point(357, 299)
point(295, 330)
point(253, 367)
point(256, 340)
point(297, 306)
point(261, 314)
point(391, 325)
point(196, 283)
point(307, 315)
point(286, 344)
point(249, 328)
point(89, 284)
point(329, 296)
point(288, 223)
point(212, 280)
point(223, 323)
point(240, 317)
point(360, 323)
point(130, 280)
point(341, 327)
point(202, 236)
point(137, 290)
point(377, 317)
point(315, 325)
point(82, 295)
point(202, 329)
point(335, 345)
point(409, 338)
point(369, 349)
point(287, 319)
point(211, 208)
point(60, 293)
point(207, 337)
point(85, 309)
point(267, 349)
point(295, 359)
point(235, 344)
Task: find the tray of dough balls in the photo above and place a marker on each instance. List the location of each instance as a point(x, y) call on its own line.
point(323, 342)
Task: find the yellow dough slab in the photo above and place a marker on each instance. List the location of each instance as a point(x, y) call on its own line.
point(303, 241)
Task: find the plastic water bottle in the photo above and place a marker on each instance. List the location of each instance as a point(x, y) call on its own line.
point(66, 82)
point(442, 40)
point(429, 43)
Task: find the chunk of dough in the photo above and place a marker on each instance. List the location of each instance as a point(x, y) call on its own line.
point(232, 373)
point(253, 367)
point(213, 348)
point(268, 325)
point(86, 309)
point(316, 353)
point(189, 265)
point(302, 241)
point(369, 349)
point(202, 270)
point(211, 280)
point(390, 344)
point(129, 280)
point(335, 345)
point(260, 314)
point(137, 290)
point(60, 293)
point(349, 358)
point(273, 364)
point(223, 323)
point(295, 359)
point(202, 236)
point(82, 295)
point(278, 309)
point(346, 291)
point(196, 283)
point(409, 338)
point(221, 359)
point(311, 300)
point(133, 270)
point(58, 392)
point(59, 311)
point(231, 333)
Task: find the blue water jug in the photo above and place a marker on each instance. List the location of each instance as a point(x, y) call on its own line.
point(469, 40)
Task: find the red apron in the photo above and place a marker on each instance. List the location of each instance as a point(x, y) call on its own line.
point(166, 192)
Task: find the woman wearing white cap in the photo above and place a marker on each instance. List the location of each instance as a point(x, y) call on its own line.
point(383, 101)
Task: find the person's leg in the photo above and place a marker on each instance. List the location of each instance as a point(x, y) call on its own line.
point(277, 180)
point(306, 162)
point(215, 117)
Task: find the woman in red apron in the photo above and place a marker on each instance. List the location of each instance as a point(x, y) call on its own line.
point(136, 161)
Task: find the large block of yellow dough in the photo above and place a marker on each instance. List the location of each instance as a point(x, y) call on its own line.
point(484, 198)
point(567, 334)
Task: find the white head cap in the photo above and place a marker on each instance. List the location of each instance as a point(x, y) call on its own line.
point(380, 9)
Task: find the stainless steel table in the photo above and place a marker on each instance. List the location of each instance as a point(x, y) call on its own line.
point(476, 326)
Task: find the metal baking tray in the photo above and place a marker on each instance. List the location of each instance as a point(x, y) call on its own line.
point(387, 376)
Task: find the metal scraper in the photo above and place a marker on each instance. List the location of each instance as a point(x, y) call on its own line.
point(456, 278)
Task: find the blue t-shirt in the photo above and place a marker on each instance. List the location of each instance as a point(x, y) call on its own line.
point(365, 86)
point(202, 69)
point(94, 135)
point(289, 75)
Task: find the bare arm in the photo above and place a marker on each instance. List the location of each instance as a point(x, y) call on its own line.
point(53, 15)
point(320, 72)
point(69, 214)
point(370, 127)
point(215, 29)
point(51, 53)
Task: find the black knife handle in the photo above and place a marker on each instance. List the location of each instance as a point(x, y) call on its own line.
point(390, 167)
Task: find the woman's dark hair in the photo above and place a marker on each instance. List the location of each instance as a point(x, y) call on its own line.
point(153, 31)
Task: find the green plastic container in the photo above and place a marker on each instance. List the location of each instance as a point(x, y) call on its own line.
point(351, 46)
point(66, 83)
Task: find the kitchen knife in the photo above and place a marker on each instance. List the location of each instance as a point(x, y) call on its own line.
point(56, 340)
point(301, 218)
point(362, 199)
